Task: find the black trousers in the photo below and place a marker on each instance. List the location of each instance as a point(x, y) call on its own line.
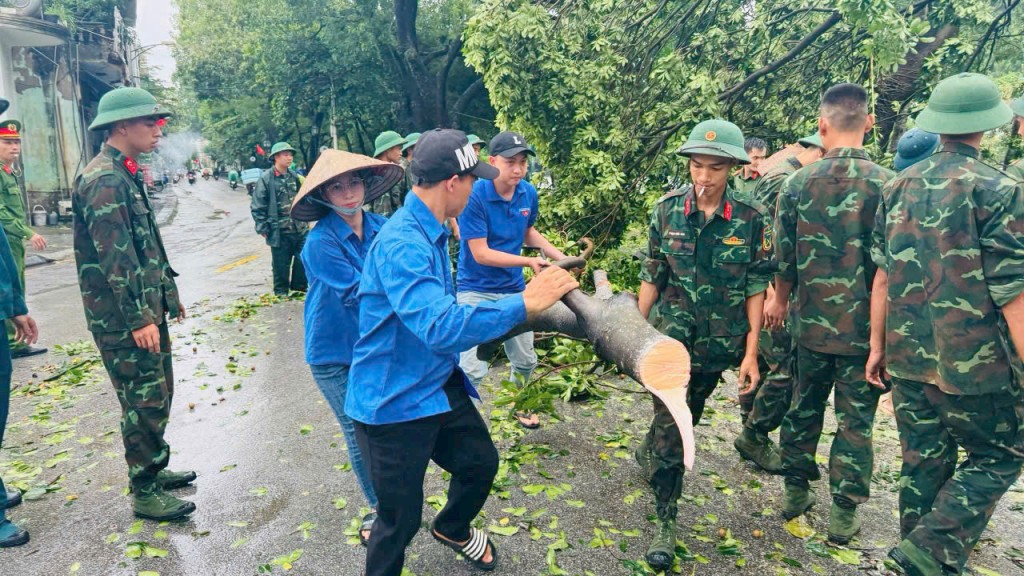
point(286, 264)
point(397, 456)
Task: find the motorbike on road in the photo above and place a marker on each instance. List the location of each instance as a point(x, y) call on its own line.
point(191, 177)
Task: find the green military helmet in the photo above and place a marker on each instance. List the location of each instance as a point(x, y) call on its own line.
point(964, 104)
point(386, 141)
point(716, 138)
point(126, 103)
point(410, 141)
point(812, 140)
point(1018, 106)
point(280, 147)
point(474, 140)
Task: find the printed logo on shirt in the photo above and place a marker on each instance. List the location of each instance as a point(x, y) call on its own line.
point(525, 212)
point(467, 157)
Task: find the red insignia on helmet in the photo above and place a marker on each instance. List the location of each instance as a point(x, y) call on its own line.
point(727, 213)
point(710, 136)
point(131, 166)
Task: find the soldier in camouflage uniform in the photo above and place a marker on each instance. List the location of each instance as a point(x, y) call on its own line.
point(707, 267)
point(748, 176)
point(271, 211)
point(947, 319)
point(763, 409)
point(1016, 170)
point(128, 291)
point(12, 218)
point(388, 148)
point(825, 217)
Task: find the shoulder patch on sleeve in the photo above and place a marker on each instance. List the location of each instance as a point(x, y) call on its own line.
point(675, 193)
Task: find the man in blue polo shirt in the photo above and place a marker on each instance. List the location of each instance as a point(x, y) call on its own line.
point(494, 227)
point(408, 398)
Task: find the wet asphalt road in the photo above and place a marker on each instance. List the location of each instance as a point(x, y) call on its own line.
point(273, 477)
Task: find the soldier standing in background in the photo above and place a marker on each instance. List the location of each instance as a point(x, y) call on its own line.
point(747, 176)
point(825, 218)
point(947, 322)
point(128, 291)
point(12, 218)
point(763, 409)
point(271, 210)
point(707, 266)
point(387, 147)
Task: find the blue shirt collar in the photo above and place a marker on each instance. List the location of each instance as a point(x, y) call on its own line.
point(492, 192)
point(428, 223)
point(335, 221)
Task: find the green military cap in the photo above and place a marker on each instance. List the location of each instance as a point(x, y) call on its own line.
point(10, 129)
point(125, 104)
point(410, 141)
point(964, 104)
point(387, 140)
point(812, 140)
point(474, 140)
point(1018, 106)
point(281, 147)
point(716, 138)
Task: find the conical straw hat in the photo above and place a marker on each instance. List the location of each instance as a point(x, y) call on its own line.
point(379, 177)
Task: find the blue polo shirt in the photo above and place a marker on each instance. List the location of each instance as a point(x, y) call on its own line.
point(504, 224)
point(411, 328)
point(333, 258)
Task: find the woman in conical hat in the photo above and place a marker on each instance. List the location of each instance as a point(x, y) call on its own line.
point(333, 194)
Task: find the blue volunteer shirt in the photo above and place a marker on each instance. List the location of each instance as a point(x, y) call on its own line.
point(333, 258)
point(411, 327)
point(504, 224)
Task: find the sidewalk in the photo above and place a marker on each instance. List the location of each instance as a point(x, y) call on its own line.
point(60, 242)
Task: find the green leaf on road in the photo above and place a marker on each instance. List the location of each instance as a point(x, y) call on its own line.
point(306, 429)
point(239, 543)
point(799, 528)
point(340, 503)
point(503, 530)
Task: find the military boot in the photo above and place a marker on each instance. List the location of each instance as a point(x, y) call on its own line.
point(843, 524)
point(169, 480)
point(662, 553)
point(154, 504)
point(759, 449)
point(13, 498)
point(911, 560)
point(796, 501)
point(645, 458)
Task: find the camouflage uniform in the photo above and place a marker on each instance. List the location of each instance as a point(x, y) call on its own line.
point(764, 408)
point(949, 233)
point(393, 199)
point(127, 284)
point(12, 218)
point(271, 210)
point(1016, 170)
point(825, 218)
point(704, 272)
point(744, 187)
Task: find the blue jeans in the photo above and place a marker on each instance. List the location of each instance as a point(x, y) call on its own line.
point(5, 404)
point(332, 379)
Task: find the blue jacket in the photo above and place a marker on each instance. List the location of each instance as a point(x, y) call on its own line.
point(411, 329)
point(333, 258)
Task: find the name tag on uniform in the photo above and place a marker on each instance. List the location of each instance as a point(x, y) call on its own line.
point(734, 241)
point(676, 234)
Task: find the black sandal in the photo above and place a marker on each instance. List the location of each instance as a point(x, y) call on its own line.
point(473, 550)
point(367, 524)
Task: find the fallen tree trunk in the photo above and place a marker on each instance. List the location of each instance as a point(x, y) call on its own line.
point(613, 325)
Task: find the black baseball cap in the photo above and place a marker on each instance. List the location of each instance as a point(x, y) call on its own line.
point(441, 154)
point(508, 144)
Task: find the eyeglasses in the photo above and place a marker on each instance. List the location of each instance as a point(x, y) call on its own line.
point(341, 187)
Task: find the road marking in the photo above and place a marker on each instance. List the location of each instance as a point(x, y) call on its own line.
point(237, 263)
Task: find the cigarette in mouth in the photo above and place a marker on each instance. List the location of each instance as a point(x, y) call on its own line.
point(700, 191)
